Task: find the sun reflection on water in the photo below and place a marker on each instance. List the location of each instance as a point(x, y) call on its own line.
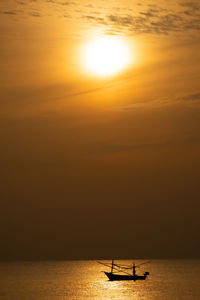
point(81, 280)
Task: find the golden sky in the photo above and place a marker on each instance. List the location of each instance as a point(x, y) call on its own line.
point(82, 147)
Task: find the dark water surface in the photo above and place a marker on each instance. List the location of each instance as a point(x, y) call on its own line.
point(168, 279)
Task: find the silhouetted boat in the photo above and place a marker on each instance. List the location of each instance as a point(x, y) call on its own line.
point(116, 269)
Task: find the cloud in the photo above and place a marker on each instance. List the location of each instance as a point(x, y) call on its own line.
point(153, 20)
point(134, 19)
point(166, 101)
point(9, 12)
point(191, 5)
point(149, 13)
point(94, 19)
point(35, 14)
point(66, 16)
point(21, 2)
point(66, 3)
point(120, 21)
point(190, 97)
point(154, 141)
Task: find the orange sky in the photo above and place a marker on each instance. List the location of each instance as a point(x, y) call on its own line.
point(99, 154)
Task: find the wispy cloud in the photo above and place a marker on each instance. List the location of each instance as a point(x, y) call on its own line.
point(160, 102)
point(192, 5)
point(9, 12)
point(21, 3)
point(153, 141)
point(135, 19)
point(35, 14)
point(66, 3)
point(190, 97)
point(153, 19)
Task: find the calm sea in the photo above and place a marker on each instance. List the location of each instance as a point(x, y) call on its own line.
point(168, 279)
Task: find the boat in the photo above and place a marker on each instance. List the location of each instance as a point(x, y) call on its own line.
point(121, 272)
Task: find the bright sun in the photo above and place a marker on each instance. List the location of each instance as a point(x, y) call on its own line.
point(106, 56)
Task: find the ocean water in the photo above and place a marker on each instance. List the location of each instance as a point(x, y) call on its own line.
point(168, 280)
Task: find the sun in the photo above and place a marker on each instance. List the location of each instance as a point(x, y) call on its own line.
point(106, 56)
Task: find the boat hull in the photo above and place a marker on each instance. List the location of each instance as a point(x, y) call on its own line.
point(114, 277)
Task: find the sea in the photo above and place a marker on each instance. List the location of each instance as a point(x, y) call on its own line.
point(82, 280)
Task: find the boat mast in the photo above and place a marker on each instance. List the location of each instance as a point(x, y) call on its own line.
point(112, 265)
point(133, 269)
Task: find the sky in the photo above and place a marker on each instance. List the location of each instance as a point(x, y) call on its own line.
point(99, 166)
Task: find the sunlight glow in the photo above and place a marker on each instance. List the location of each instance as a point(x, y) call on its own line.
point(106, 56)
